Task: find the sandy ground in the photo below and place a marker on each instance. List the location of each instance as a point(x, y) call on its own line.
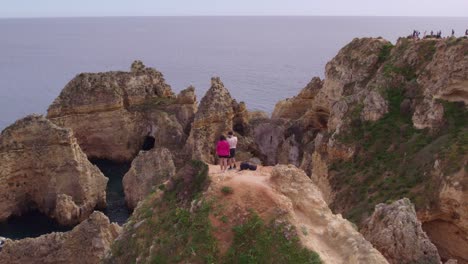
point(254, 190)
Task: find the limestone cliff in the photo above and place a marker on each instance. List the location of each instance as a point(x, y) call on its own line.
point(214, 117)
point(111, 113)
point(87, 243)
point(149, 169)
point(396, 127)
point(42, 167)
point(296, 107)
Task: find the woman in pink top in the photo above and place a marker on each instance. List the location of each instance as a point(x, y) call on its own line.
point(222, 150)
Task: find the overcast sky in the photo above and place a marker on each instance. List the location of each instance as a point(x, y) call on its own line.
point(74, 8)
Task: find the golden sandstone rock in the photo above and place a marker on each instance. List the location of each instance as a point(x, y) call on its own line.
point(87, 243)
point(42, 167)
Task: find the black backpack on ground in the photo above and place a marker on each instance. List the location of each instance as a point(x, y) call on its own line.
point(252, 167)
point(247, 166)
point(244, 166)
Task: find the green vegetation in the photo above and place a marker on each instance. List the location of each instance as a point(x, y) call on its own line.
point(426, 50)
point(385, 52)
point(256, 242)
point(456, 129)
point(227, 190)
point(169, 228)
point(394, 159)
point(165, 225)
point(407, 71)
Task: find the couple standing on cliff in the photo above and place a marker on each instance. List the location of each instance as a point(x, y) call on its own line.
point(226, 151)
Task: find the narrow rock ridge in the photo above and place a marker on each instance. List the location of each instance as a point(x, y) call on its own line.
point(42, 167)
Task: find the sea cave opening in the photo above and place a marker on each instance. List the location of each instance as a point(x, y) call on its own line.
point(116, 210)
point(148, 143)
point(29, 225)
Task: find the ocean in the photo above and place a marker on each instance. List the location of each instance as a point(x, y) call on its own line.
point(260, 59)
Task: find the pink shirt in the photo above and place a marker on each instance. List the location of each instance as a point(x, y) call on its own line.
point(222, 148)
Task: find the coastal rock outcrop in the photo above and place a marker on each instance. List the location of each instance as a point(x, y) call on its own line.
point(225, 218)
point(396, 232)
point(112, 113)
point(87, 243)
point(296, 107)
point(333, 237)
point(388, 121)
point(397, 119)
point(214, 117)
point(149, 169)
point(42, 167)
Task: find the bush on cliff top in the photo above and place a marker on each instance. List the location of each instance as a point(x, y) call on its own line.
point(256, 242)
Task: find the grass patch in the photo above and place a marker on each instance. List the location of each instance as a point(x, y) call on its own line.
point(406, 71)
point(227, 190)
point(256, 242)
point(168, 231)
point(426, 50)
point(385, 52)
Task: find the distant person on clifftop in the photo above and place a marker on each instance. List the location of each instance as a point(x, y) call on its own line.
point(466, 32)
point(222, 150)
point(453, 33)
point(232, 140)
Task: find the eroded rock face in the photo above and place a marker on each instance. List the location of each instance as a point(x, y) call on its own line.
point(148, 170)
point(445, 77)
point(42, 166)
point(446, 222)
point(111, 113)
point(326, 232)
point(268, 135)
point(297, 106)
point(408, 86)
point(87, 243)
point(214, 117)
point(396, 232)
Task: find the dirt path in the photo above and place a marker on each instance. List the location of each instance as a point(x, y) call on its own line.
point(318, 229)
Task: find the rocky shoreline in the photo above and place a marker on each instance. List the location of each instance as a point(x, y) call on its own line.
point(387, 122)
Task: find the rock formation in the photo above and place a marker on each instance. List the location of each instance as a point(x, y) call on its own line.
point(87, 243)
point(149, 169)
point(111, 113)
point(294, 108)
point(396, 232)
point(333, 237)
point(42, 167)
point(395, 112)
point(282, 195)
point(214, 117)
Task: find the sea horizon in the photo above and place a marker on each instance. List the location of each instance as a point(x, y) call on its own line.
point(261, 59)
